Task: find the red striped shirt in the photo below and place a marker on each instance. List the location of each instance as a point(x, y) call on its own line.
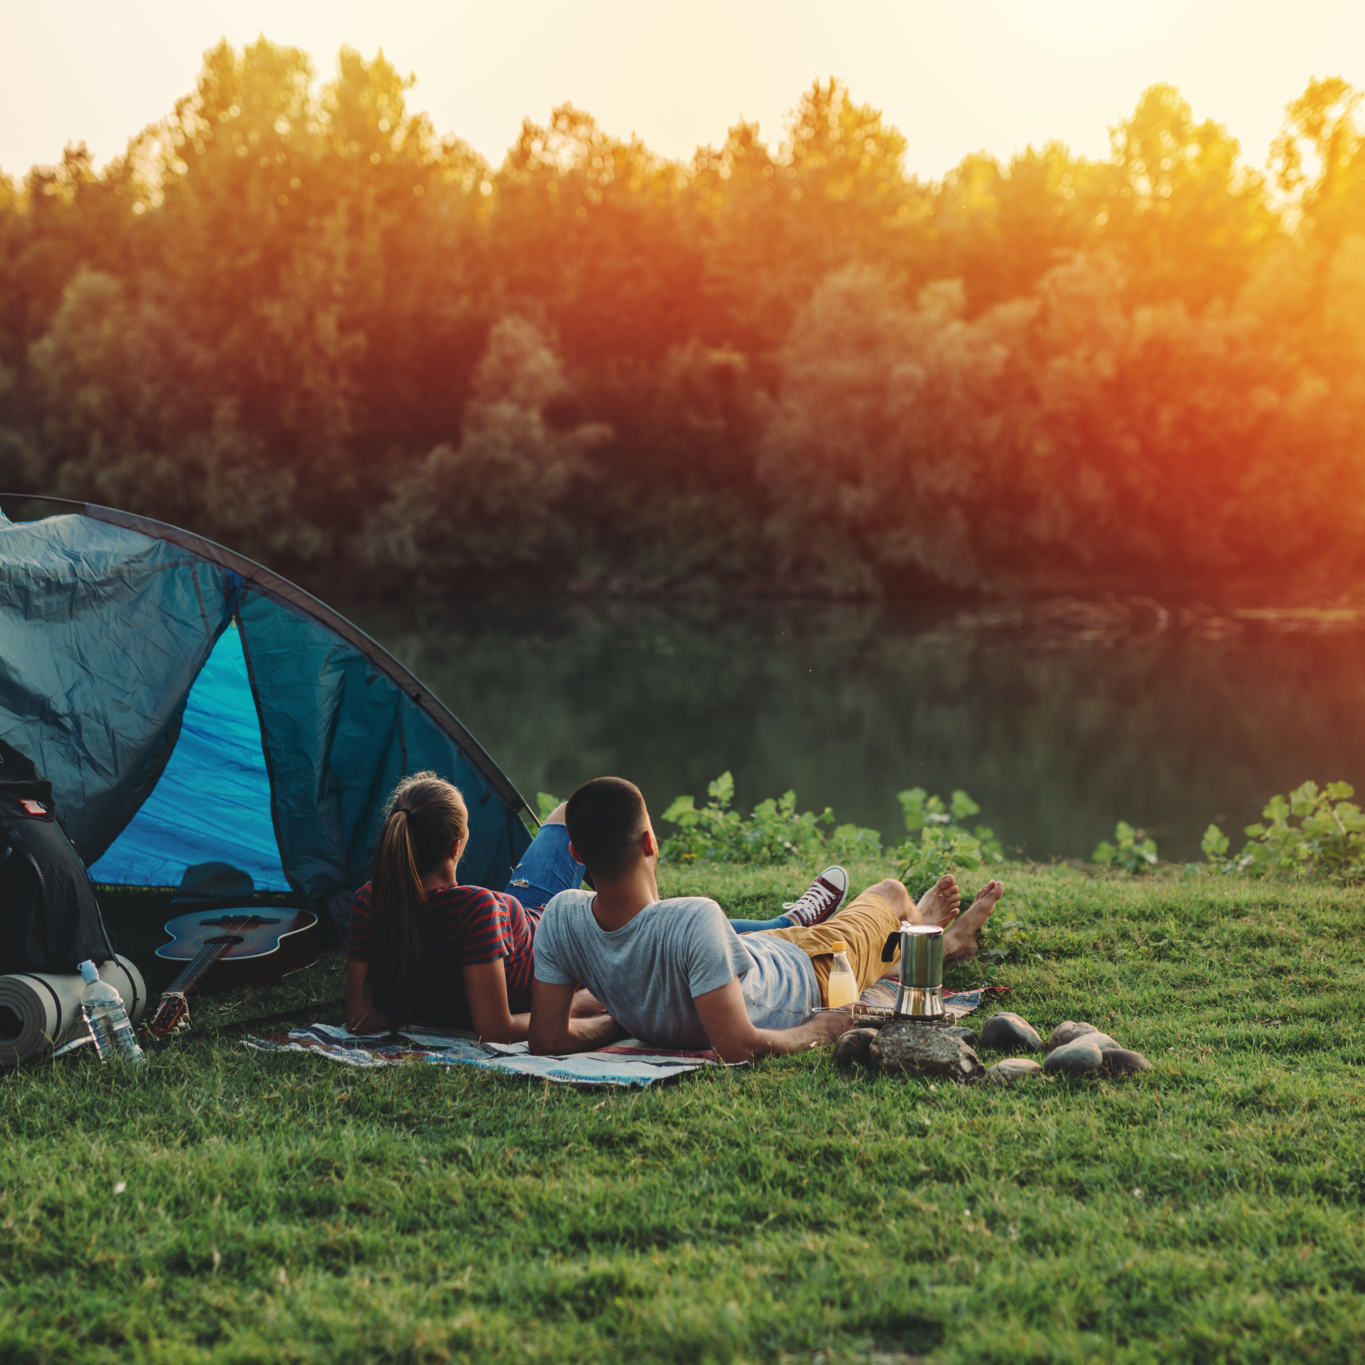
point(463, 925)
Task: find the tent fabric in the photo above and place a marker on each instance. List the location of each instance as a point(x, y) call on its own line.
point(339, 737)
point(101, 636)
point(106, 621)
point(213, 800)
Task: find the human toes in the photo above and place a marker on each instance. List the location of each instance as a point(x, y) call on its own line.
point(939, 904)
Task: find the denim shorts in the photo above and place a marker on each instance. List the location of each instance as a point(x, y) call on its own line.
point(545, 869)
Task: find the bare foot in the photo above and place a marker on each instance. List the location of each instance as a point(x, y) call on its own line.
point(939, 904)
point(959, 942)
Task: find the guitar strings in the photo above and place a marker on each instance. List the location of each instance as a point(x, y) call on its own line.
point(208, 954)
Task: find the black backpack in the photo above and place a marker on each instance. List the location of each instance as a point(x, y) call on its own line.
point(49, 920)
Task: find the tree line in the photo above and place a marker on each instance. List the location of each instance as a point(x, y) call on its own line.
point(295, 318)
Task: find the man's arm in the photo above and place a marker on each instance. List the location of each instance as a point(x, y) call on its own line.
point(735, 1039)
point(554, 1031)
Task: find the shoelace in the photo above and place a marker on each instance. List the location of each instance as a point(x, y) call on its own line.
point(815, 898)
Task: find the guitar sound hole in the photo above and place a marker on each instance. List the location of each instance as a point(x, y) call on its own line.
point(230, 919)
point(229, 939)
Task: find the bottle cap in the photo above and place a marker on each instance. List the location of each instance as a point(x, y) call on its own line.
point(838, 946)
point(89, 972)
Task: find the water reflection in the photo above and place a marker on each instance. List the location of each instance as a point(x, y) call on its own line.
point(1056, 735)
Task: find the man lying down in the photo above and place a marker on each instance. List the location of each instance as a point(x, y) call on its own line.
point(676, 973)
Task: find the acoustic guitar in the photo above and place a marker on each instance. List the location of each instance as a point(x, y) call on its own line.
point(226, 947)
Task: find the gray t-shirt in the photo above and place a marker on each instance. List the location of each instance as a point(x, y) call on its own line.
point(647, 972)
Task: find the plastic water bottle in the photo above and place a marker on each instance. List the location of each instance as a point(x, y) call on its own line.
point(843, 985)
point(102, 1007)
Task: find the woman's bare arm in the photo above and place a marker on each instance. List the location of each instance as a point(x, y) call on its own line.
point(485, 987)
point(361, 1016)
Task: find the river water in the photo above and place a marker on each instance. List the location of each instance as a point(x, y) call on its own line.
point(1059, 719)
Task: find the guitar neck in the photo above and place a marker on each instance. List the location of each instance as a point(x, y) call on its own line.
point(205, 958)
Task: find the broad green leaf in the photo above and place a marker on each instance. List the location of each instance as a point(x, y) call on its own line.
point(1214, 843)
point(963, 805)
point(682, 806)
point(722, 790)
point(912, 807)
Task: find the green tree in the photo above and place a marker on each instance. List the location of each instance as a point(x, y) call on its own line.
point(497, 499)
point(1188, 218)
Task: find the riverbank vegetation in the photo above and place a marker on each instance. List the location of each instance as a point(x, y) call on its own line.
point(297, 318)
point(234, 1206)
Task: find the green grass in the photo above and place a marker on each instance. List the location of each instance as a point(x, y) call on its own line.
point(285, 1209)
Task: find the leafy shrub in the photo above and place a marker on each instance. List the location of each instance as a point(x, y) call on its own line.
point(774, 833)
point(1133, 851)
point(1328, 840)
point(937, 843)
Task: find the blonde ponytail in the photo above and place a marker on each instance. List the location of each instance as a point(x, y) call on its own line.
point(427, 818)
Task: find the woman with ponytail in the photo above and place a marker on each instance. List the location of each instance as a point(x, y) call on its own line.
point(423, 947)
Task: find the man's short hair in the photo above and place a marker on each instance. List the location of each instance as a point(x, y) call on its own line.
point(606, 818)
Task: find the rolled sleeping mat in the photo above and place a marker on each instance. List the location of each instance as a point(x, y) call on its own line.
point(38, 1013)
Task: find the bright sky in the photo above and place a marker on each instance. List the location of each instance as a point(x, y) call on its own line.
point(954, 76)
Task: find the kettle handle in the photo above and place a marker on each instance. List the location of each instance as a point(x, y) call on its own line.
point(892, 946)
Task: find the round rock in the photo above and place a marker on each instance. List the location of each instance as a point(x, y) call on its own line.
point(968, 1035)
point(1067, 1032)
point(1078, 1058)
point(925, 1049)
point(1014, 1069)
point(851, 1048)
point(1118, 1061)
point(1102, 1041)
point(1007, 1032)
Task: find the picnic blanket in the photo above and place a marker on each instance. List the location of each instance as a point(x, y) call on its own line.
point(628, 1063)
point(882, 995)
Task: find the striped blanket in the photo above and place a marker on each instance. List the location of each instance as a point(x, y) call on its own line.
point(629, 1063)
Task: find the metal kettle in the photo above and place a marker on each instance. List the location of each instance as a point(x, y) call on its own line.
point(921, 985)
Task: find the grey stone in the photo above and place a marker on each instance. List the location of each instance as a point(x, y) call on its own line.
point(968, 1035)
point(1078, 1058)
point(1119, 1061)
point(1102, 1041)
point(925, 1049)
point(1067, 1032)
point(1008, 1032)
point(1014, 1069)
point(851, 1048)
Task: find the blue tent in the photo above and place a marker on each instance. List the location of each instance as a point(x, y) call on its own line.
point(189, 705)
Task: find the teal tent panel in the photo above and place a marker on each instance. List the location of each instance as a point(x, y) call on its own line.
point(338, 734)
point(102, 633)
point(212, 803)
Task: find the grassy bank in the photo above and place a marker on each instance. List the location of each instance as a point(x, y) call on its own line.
point(284, 1209)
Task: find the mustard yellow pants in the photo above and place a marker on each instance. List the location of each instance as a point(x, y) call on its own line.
point(863, 926)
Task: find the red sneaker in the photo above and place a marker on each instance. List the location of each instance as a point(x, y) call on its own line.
point(824, 896)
